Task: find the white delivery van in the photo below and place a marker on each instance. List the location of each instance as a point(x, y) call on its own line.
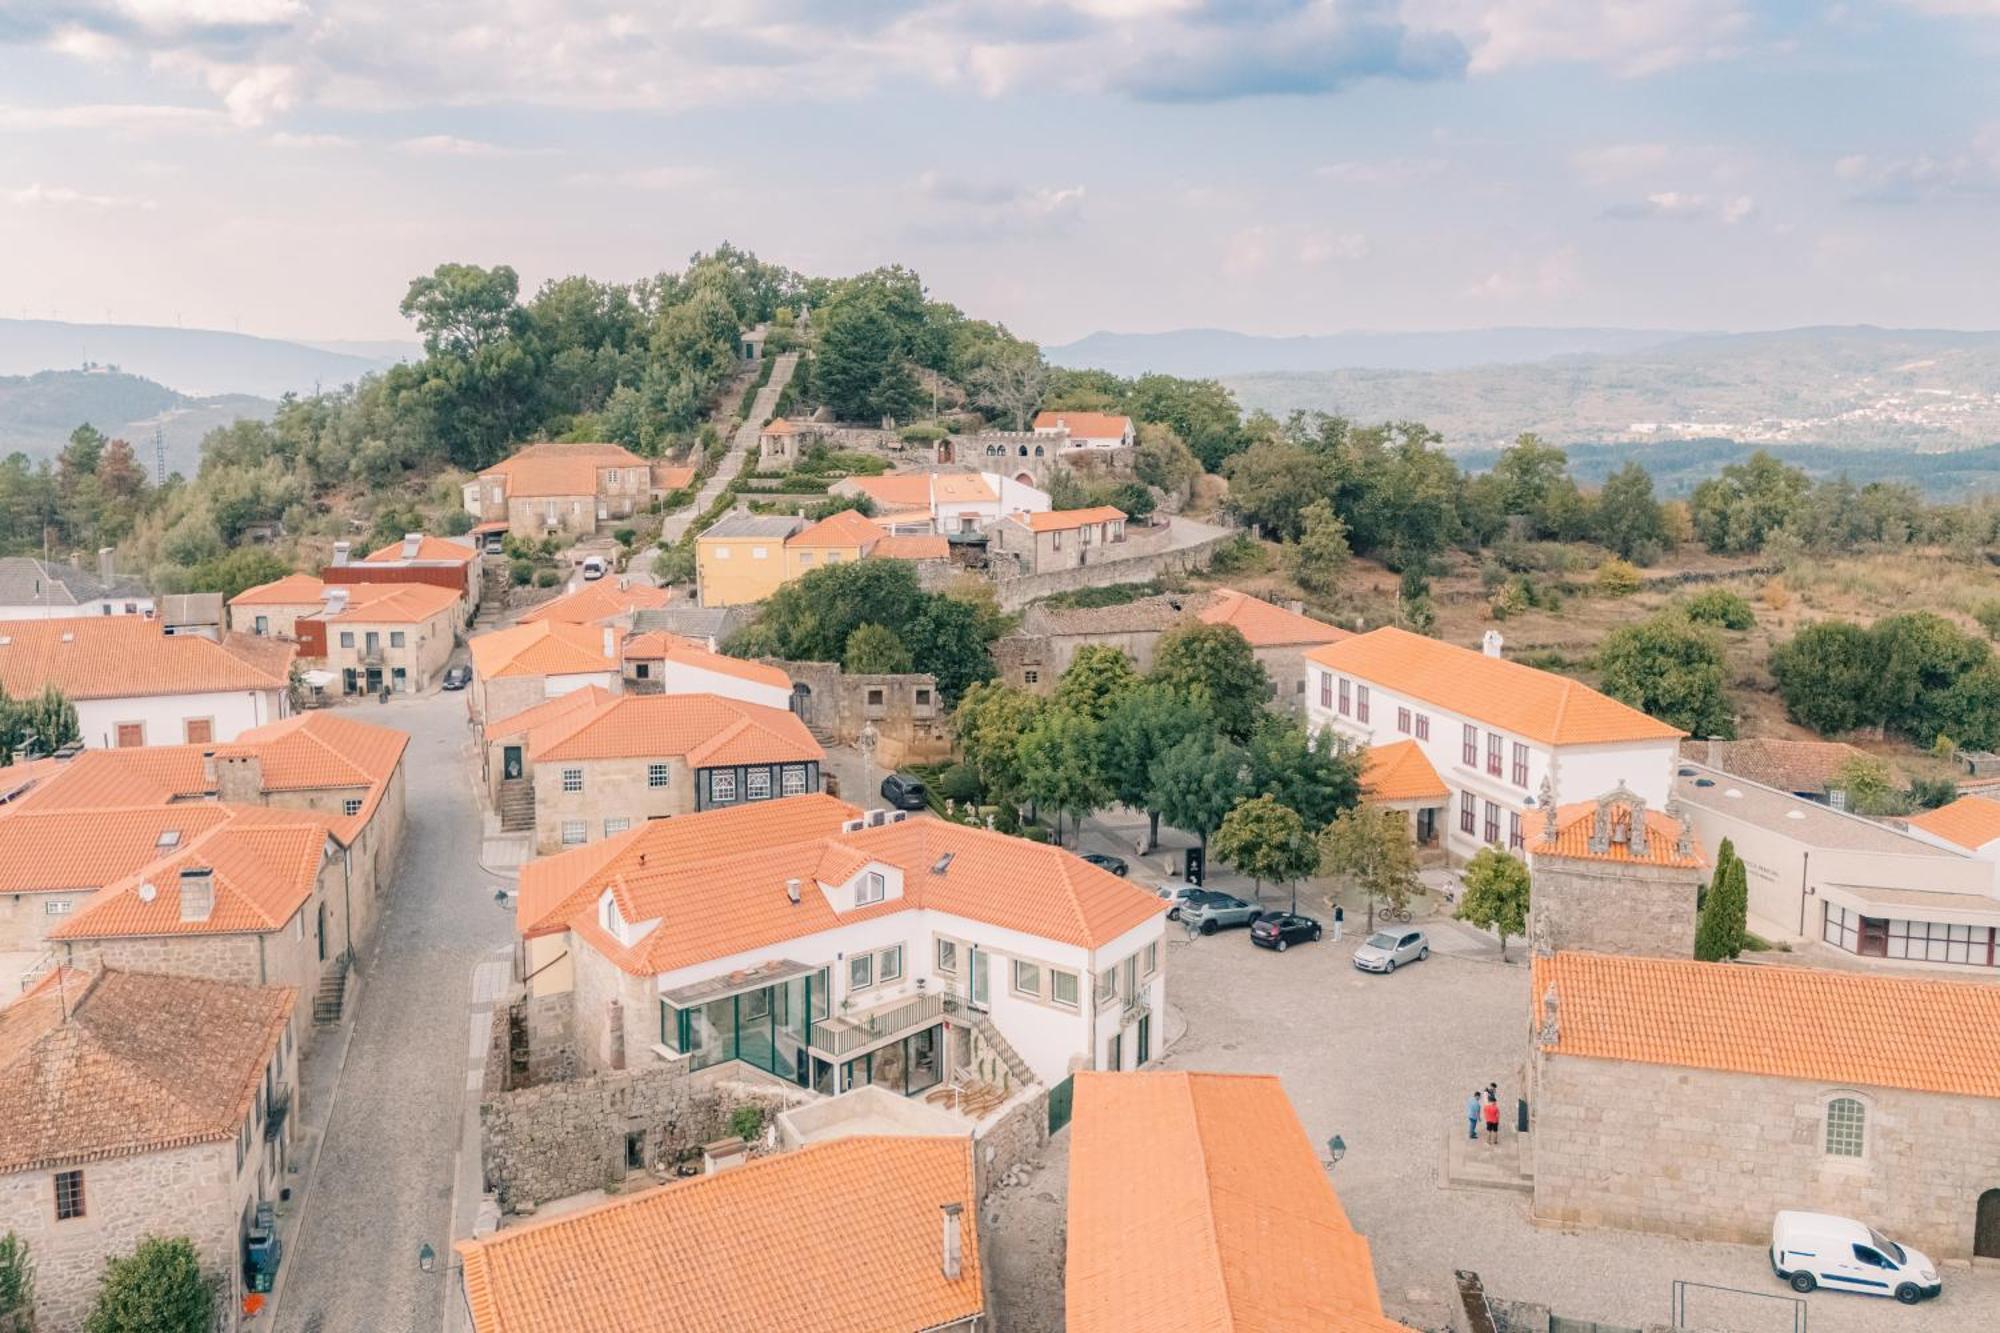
point(1820, 1250)
point(594, 567)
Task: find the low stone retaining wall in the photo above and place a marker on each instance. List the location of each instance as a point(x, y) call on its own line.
point(1016, 592)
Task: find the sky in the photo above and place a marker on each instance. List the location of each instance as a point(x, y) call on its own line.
point(285, 167)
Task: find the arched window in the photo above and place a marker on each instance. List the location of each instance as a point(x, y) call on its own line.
point(1846, 1126)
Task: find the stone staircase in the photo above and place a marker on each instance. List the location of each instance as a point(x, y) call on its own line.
point(332, 997)
point(493, 585)
point(517, 806)
point(999, 1049)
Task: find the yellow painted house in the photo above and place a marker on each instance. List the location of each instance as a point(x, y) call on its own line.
point(747, 557)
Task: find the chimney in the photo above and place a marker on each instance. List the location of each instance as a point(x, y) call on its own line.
point(792, 891)
point(340, 551)
point(611, 643)
point(412, 543)
point(954, 1241)
point(1490, 644)
point(335, 599)
point(106, 563)
point(239, 779)
point(197, 893)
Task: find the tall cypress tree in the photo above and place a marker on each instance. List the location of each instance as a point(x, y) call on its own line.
point(1720, 933)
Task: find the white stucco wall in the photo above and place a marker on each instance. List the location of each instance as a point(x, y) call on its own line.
point(164, 715)
point(95, 609)
point(683, 678)
point(555, 686)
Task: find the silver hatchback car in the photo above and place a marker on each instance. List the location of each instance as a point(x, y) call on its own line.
point(1386, 950)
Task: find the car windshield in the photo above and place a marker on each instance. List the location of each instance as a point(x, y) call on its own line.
point(1381, 941)
point(1887, 1246)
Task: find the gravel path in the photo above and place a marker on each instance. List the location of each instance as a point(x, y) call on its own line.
point(675, 525)
point(383, 1184)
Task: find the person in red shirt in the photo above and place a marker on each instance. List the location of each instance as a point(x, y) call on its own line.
point(1492, 1114)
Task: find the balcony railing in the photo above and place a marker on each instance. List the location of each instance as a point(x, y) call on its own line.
point(850, 1032)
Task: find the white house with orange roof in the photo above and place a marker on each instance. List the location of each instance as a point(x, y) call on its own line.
point(133, 685)
point(944, 502)
point(1087, 430)
point(833, 949)
point(594, 763)
point(515, 668)
point(397, 636)
point(1969, 824)
point(570, 488)
point(1061, 538)
point(657, 662)
point(1494, 731)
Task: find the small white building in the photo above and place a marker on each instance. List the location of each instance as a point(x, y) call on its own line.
point(833, 949)
point(1087, 430)
point(1493, 730)
point(944, 502)
point(32, 589)
point(661, 663)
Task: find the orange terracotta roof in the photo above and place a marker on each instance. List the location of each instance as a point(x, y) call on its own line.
point(1265, 625)
point(1401, 772)
point(121, 657)
point(779, 426)
point(595, 603)
point(135, 776)
point(836, 1237)
point(1576, 825)
point(1054, 520)
point(66, 850)
point(560, 469)
point(321, 751)
point(1085, 425)
point(389, 604)
point(1788, 765)
point(913, 546)
point(1507, 696)
point(1235, 1227)
point(846, 528)
point(961, 488)
point(573, 704)
point(1775, 1021)
point(264, 865)
point(428, 549)
point(543, 648)
point(707, 729)
point(909, 490)
point(121, 1063)
point(725, 902)
point(291, 590)
point(1970, 821)
point(672, 477)
point(658, 645)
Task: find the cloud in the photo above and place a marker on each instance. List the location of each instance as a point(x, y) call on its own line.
point(646, 178)
point(1619, 161)
point(62, 196)
point(958, 209)
point(1682, 206)
point(282, 139)
point(129, 117)
point(1552, 275)
point(1383, 172)
point(450, 145)
point(1252, 251)
point(1632, 38)
point(1966, 175)
point(1243, 48)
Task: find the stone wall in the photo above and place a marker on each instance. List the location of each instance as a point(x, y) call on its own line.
point(911, 724)
point(616, 1017)
point(1017, 1136)
point(1016, 591)
point(1610, 906)
point(612, 789)
point(1712, 1156)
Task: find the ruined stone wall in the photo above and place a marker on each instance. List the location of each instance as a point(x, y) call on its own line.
point(1017, 591)
point(911, 723)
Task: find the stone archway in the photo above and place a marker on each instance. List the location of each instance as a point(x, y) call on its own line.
point(1986, 1226)
point(802, 702)
point(1026, 479)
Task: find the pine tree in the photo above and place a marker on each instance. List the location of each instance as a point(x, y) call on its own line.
point(1720, 933)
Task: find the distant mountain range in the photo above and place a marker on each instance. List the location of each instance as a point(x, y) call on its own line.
point(38, 412)
point(198, 362)
point(1208, 353)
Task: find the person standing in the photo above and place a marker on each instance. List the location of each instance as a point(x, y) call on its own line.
point(1472, 1108)
point(1492, 1113)
point(1339, 919)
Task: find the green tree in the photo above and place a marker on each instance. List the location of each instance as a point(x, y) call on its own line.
point(990, 721)
point(1213, 667)
point(1870, 785)
point(1617, 578)
point(1720, 607)
point(1201, 412)
point(1826, 676)
point(1629, 520)
point(1058, 758)
point(1139, 728)
point(1723, 926)
point(1372, 847)
point(1496, 895)
point(240, 569)
point(1920, 658)
point(1671, 668)
point(1198, 782)
point(1738, 510)
point(43, 722)
point(875, 650)
point(1305, 770)
point(158, 1288)
point(862, 367)
point(1266, 840)
point(1094, 680)
point(17, 1275)
point(947, 639)
point(1163, 458)
point(1321, 555)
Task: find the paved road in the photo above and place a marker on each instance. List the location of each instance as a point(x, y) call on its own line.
point(383, 1185)
point(739, 448)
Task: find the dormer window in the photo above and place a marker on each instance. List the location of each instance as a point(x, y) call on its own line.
point(872, 889)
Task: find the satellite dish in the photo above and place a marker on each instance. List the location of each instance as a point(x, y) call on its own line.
point(147, 892)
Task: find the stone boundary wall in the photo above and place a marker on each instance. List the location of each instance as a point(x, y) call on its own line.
point(1017, 1137)
point(1016, 592)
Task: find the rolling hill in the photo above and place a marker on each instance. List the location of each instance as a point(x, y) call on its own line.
point(197, 362)
point(38, 412)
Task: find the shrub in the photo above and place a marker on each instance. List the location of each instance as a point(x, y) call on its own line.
point(625, 536)
point(922, 434)
point(547, 578)
point(1988, 615)
point(1617, 578)
point(158, 1288)
point(1244, 555)
point(521, 573)
point(959, 783)
point(747, 1121)
point(1720, 606)
point(674, 565)
point(17, 1275)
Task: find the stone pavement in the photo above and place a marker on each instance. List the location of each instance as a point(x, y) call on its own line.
point(676, 525)
point(383, 1182)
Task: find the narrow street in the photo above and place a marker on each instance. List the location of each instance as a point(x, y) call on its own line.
point(382, 1188)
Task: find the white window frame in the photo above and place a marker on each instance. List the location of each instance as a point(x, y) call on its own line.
point(872, 888)
point(757, 784)
point(580, 827)
point(1056, 977)
point(657, 776)
point(722, 787)
point(947, 957)
point(889, 965)
point(792, 780)
point(1033, 991)
point(572, 780)
point(860, 971)
point(1848, 1140)
point(613, 827)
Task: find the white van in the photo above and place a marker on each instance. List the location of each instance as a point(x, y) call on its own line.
point(594, 567)
point(1820, 1250)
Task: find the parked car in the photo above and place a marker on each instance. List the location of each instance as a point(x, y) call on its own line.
point(1281, 930)
point(458, 677)
point(903, 793)
point(594, 567)
point(1115, 864)
point(1821, 1250)
point(1387, 950)
point(1177, 892)
point(1211, 911)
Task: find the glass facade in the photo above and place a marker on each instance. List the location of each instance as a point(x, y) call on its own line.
point(1917, 941)
point(909, 1066)
point(769, 1028)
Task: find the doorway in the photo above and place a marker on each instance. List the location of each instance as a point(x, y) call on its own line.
point(1874, 941)
point(802, 699)
point(320, 932)
point(1986, 1230)
point(975, 973)
point(510, 762)
point(1145, 1051)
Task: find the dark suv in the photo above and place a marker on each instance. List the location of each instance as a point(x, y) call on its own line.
point(903, 793)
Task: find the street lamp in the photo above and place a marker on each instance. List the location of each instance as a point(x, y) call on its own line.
point(1336, 1148)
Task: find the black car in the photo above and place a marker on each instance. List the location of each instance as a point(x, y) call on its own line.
point(458, 677)
point(1115, 864)
point(1281, 930)
point(903, 793)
